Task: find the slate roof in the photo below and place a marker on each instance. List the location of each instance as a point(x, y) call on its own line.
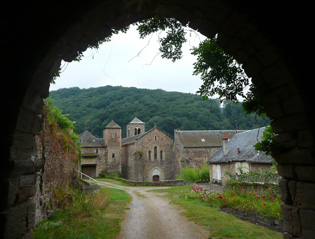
point(132, 139)
point(245, 141)
point(136, 121)
point(112, 125)
point(89, 140)
point(203, 138)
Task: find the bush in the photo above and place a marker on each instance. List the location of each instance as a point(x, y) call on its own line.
point(195, 174)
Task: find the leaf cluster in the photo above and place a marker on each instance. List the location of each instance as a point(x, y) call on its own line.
point(171, 44)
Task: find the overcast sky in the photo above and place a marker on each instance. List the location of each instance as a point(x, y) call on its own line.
point(117, 63)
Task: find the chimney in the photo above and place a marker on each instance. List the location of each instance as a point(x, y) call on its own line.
point(225, 145)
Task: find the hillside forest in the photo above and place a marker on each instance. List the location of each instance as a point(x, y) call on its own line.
point(92, 109)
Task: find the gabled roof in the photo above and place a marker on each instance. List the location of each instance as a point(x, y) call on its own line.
point(89, 140)
point(245, 141)
point(132, 139)
point(112, 125)
point(203, 138)
point(136, 121)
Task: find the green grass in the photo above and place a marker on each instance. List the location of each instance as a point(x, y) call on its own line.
point(90, 217)
point(220, 224)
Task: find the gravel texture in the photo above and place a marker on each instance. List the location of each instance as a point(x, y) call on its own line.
point(153, 217)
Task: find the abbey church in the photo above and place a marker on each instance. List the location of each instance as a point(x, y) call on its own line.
point(150, 155)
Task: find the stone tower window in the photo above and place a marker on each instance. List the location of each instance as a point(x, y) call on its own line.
point(149, 154)
point(155, 137)
point(161, 154)
point(137, 131)
point(155, 152)
point(113, 155)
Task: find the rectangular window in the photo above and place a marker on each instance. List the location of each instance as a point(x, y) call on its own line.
point(155, 152)
point(161, 154)
point(150, 155)
point(96, 150)
point(113, 155)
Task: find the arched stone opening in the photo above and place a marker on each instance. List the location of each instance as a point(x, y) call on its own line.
point(264, 46)
point(156, 174)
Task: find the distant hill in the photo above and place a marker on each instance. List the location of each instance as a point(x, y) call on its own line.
point(94, 108)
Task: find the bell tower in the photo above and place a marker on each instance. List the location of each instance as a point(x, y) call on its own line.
point(135, 127)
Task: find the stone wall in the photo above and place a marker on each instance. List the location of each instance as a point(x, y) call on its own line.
point(94, 155)
point(58, 173)
point(112, 137)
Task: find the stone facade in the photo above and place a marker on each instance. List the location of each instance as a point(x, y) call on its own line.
point(149, 156)
point(93, 154)
point(238, 154)
point(194, 148)
point(141, 156)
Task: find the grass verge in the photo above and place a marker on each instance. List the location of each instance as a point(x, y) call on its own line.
point(220, 224)
point(89, 217)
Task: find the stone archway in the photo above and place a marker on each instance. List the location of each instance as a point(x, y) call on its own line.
point(265, 39)
point(156, 175)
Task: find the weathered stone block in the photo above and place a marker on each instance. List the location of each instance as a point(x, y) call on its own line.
point(305, 172)
point(291, 219)
point(285, 193)
point(302, 194)
point(286, 171)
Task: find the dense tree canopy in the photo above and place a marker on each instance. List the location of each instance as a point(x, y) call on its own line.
point(92, 109)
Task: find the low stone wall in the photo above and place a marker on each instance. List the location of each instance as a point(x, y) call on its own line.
point(160, 183)
point(88, 188)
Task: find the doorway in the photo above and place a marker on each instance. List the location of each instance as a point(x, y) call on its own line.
point(156, 178)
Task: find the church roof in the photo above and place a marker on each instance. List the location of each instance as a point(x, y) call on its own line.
point(245, 141)
point(132, 139)
point(136, 121)
point(203, 138)
point(89, 140)
point(112, 125)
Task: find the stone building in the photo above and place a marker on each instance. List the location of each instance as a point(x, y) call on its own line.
point(193, 148)
point(148, 156)
point(238, 154)
point(142, 155)
point(93, 154)
point(153, 155)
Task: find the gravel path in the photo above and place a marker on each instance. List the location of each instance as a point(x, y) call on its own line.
point(152, 217)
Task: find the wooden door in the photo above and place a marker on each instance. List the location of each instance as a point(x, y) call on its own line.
point(89, 170)
point(156, 178)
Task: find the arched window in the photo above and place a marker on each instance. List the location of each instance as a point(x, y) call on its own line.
point(155, 152)
point(136, 131)
point(161, 154)
point(139, 130)
point(149, 154)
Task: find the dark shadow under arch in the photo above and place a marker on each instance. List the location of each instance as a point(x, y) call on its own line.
point(266, 39)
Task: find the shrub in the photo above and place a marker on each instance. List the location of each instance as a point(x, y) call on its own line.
point(195, 174)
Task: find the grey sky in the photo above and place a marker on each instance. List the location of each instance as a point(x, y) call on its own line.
point(116, 63)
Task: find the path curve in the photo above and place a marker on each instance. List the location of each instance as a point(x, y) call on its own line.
point(153, 217)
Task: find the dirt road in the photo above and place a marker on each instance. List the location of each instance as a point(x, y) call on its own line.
point(152, 217)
